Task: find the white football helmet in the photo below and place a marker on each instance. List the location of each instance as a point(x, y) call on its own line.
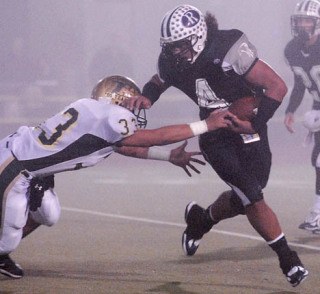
point(116, 89)
point(306, 9)
point(184, 26)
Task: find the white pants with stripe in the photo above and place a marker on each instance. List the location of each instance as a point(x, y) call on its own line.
point(14, 203)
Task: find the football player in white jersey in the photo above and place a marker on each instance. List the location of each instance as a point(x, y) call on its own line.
point(79, 136)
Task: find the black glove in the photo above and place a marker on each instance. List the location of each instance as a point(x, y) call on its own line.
point(36, 190)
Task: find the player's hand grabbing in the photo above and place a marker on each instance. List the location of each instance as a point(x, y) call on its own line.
point(219, 119)
point(185, 159)
point(241, 126)
point(137, 102)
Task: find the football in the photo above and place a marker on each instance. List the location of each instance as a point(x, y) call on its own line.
point(244, 108)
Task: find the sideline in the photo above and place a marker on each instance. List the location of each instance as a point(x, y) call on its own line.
point(145, 220)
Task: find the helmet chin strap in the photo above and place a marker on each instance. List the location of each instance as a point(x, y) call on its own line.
point(195, 56)
point(196, 49)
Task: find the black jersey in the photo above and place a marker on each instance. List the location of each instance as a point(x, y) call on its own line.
point(305, 65)
point(216, 79)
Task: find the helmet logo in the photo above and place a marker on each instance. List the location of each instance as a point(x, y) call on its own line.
point(187, 23)
point(190, 18)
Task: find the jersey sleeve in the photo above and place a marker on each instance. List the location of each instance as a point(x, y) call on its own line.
point(121, 122)
point(241, 56)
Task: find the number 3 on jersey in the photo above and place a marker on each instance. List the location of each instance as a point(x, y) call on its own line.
point(126, 126)
point(71, 116)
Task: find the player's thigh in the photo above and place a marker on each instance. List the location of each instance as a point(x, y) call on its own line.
point(13, 191)
point(257, 161)
point(229, 162)
point(13, 214)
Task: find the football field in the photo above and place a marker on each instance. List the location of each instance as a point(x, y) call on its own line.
point(122, 221)
point(121, 226)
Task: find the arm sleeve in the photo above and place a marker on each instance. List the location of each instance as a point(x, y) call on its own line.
point(154, 88)
point(296, 95)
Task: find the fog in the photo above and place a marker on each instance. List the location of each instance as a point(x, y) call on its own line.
point(54, 51)
point(57, 50)
point(65, 46)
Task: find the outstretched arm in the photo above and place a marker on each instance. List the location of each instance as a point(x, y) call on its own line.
point(176, 133)
point(177, 156)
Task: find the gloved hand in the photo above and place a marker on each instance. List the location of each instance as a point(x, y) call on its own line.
point(36, 190)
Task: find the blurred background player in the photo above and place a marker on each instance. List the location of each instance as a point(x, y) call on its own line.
point(303, 56)
point(84, 133)
point(215, 68)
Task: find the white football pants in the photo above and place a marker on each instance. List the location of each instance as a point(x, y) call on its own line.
point(14, 205)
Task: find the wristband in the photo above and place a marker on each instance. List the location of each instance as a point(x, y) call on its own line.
point(266, 110)
point(158, 153)
point(199, 127)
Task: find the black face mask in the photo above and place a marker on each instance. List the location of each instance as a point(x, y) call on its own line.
point(179, 62)
point(302, 37)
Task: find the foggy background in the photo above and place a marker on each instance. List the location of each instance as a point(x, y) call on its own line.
point(64, 38)
point(54, 51)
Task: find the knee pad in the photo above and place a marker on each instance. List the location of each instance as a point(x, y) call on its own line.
point(49, 212)
point(10, 239)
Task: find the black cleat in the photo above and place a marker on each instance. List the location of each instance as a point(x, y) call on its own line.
point(312, 222)
point(197, 225)
point(9, 268)
point(293, 269)
point(297, 275)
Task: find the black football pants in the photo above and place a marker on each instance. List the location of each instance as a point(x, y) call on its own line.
point(244, 167)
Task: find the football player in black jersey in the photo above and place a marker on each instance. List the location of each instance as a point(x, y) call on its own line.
point(303, 56)
point(214, 68)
